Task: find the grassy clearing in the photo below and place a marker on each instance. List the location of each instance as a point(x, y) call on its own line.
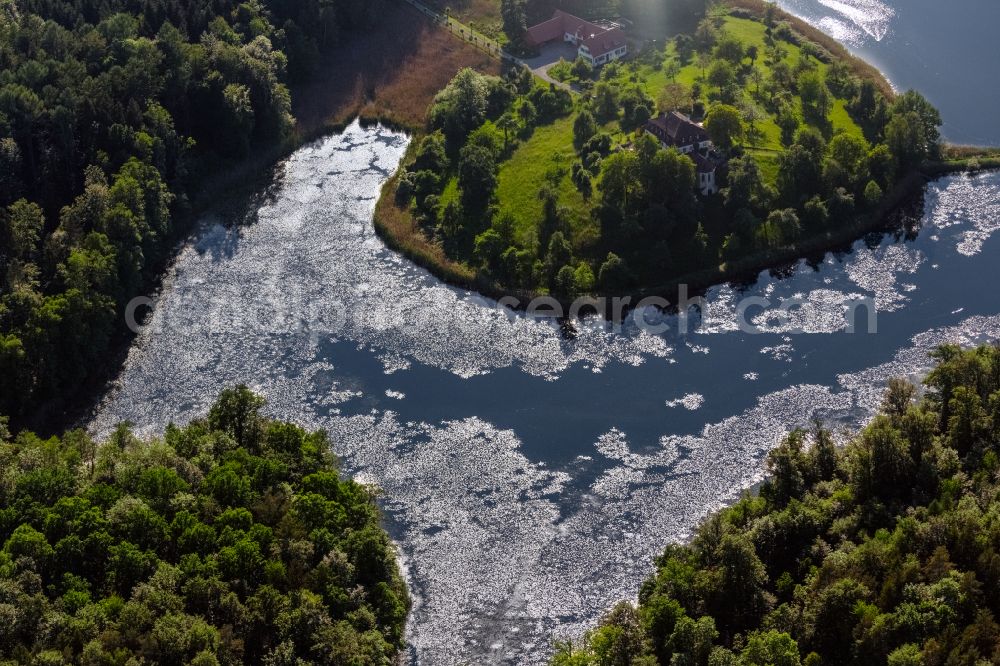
point(767, 160)
point(842, 121)
point(545, 156)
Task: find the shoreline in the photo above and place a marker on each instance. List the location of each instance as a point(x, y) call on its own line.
point(698, 282)
point(231, 188)
point(235, 185)
point(859, 66)
point(400, 232)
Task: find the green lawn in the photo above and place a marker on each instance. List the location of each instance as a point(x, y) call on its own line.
point(767, 160)
point(750, 32)
point(450, 192)
point(548, 151)
point(842, 121)
point(548, 154)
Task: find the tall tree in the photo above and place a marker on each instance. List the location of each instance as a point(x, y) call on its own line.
point(724, 125)
point(514, 21)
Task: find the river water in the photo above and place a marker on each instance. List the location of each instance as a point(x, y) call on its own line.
point(529, 478)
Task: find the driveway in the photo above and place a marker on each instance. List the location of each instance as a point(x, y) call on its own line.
point(549, 56)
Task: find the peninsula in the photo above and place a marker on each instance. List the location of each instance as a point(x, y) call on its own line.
point(741, 143)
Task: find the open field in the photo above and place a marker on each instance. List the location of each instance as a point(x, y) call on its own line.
point(546, 156)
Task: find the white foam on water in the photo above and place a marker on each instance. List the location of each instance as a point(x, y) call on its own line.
point(871, 17)
point(690, 401)
point(969, 203)
point(503, 552)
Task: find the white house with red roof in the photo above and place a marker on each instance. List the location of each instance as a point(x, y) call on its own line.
point(597, 44)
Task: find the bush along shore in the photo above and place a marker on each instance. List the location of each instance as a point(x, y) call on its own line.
point(518, 188)
point(883, 551)
point(232, 540)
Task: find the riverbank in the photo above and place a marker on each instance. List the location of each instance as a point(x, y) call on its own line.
point(401, 231)
point(747, 268)
point(748, 613)
point(445, 404)
point(394, 72)
point(858, 66)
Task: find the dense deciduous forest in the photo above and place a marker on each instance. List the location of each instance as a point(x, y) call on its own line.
point(111, 115)
point(884, 551)
point(232, 540)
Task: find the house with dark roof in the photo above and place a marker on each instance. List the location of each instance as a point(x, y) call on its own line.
point(676, 130)
point(597, 44)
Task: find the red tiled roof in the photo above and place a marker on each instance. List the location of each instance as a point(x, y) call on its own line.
point(603, 42)
point(546, 31)
point(598, 39)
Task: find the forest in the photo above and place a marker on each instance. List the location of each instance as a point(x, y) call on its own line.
point(883, 551)
point(232, 540)
point(538, 189)
point(113, 115)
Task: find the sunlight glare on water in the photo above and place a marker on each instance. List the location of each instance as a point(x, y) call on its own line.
point(856, 20)
point(527, 491)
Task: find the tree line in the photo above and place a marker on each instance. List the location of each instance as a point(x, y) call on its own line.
point(882, 551)
point(232, 540)
point(111, 114)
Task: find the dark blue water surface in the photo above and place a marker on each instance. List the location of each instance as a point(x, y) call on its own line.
point(529, 478)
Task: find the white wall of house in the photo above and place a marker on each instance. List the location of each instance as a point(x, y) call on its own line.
point(585, 53)
point(706, 183)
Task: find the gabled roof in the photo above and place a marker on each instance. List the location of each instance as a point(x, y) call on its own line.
point(677, 129)
point(546, 31)
point(602, 43)
point(702, 164)
point(598, 39)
